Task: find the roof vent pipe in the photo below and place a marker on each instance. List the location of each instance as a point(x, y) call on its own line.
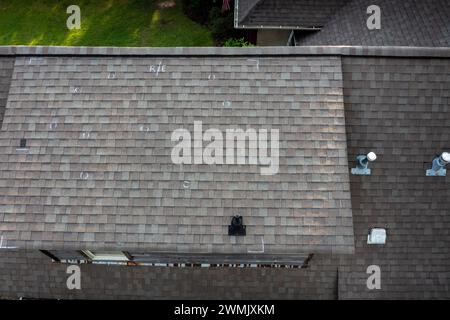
point(237, 228)
point(23, 143)
point(438, 165)
point(362, 164)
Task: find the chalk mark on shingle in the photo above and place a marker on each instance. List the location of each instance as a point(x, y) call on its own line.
point(255, 61)
point(258, 251)
point(37, 60)
point(85, 135)
point(53, 125)
point(84, 175)
point(4, 245)
point(157, 69)
point(226, 104)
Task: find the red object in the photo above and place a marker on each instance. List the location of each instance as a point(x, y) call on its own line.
point(225, 5)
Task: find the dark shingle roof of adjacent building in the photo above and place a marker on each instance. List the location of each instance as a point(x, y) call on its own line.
point(344, 22)
point(403, 23)
point(396, 103)
point(296, 14)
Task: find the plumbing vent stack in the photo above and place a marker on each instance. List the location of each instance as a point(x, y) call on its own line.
point(438, 165)
point(362, 163)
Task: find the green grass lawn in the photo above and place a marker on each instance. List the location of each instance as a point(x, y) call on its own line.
point(134, 23)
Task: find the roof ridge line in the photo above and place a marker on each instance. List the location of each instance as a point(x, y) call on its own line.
point(382, 51)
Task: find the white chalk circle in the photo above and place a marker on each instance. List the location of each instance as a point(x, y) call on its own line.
point(226, 104)
point(186, 184)
point(84, 175)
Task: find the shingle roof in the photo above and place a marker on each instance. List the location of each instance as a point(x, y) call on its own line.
point(296, 14)
point(396, 103)
point(344, 22)
point(403, 23)
point(242, 8)
point(98, 172)
point(30, 274)
point(400, 109)
point(6, 68)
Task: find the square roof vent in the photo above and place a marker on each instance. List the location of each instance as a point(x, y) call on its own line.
point(22, 147)
point(237, 228)
point(377, 236)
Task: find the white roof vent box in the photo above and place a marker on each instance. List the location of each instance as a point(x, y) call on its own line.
point(377, 236)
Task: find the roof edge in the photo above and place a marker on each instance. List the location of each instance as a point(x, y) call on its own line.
point(389, 51)
point(276, 27)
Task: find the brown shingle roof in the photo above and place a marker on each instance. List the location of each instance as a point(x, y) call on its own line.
point(396, 103)
point(98, 172)
point(400, 109)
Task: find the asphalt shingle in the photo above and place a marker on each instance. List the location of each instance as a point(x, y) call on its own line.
point(403, 23)
point(396, 103)
point(30, 274)
point(6, 68)
point(298, 14)
point(398, 108)
point(101, 148)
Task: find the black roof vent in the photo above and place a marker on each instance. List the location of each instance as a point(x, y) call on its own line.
point(236, 228)
point(23, 143)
